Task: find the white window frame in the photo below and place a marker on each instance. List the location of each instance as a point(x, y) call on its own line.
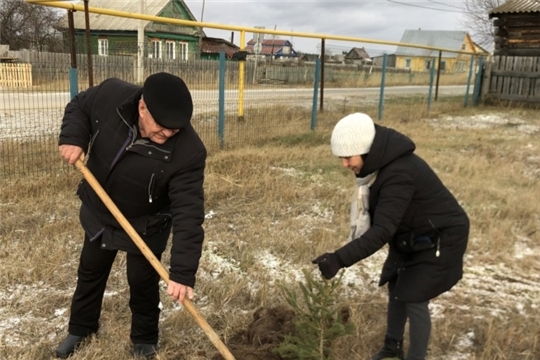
point(183, 50)
point(170, 50)
point(155, 49)
point(103, 47)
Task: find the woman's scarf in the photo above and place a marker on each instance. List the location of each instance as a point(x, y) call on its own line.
point(360, 219)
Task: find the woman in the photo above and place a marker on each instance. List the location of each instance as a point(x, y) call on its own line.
point(412, 211)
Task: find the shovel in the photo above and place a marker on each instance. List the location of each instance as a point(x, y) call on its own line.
point(220, 346)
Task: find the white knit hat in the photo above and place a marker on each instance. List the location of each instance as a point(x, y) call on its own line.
point(353, 135)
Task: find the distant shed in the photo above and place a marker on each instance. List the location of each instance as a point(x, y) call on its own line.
point(517, 28)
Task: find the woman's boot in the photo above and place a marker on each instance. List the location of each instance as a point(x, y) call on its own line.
point(392, 349)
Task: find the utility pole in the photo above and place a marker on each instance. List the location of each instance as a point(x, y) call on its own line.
point(140, 45)
point(201, 30)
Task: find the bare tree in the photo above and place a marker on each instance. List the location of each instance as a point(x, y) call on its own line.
point(29, 26)
point(477, 20)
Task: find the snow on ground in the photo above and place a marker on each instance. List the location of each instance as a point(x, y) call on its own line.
point(25, 124)
point(484, 121)
point(502, 291)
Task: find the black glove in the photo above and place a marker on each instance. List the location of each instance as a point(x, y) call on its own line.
point(329, 264)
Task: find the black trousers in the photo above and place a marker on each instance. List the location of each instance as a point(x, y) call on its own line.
point(419, 325)
point(94, 269)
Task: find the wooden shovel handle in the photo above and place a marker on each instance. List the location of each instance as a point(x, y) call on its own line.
point(90, 178)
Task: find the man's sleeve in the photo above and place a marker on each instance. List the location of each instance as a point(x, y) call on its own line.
point(76, 128)
point(187, 207)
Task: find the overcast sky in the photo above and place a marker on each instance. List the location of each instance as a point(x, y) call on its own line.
point(376, 19)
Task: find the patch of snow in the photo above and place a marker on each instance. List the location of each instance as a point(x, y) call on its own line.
point(484, 121)
point(210, 215)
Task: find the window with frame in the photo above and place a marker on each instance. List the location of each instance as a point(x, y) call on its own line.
point(170, 50)
point(407, 63)
point(183, 50)
point(103, 47)
point(155, 49)
point(460, 66)
point(443, 65)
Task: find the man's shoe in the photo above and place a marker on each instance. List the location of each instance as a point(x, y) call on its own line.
point(145, 351)
point(68, 346)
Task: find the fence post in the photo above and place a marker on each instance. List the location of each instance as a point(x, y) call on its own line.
point(315, 91)
point(381, 95)
point(486, 79)
point(221, 103)
point(469, 81)
point(478, 81)
point(438, 75)
point(73, 74)
point(431, 78)
point(323, 51)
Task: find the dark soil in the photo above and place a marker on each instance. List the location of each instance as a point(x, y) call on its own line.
point(264, 334)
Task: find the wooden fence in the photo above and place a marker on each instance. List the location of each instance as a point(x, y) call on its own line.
point(52, 68)
point(512, 78)
point(15, 75)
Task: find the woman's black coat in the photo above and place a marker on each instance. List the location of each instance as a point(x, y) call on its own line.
point(408, 200)
point(156, 187)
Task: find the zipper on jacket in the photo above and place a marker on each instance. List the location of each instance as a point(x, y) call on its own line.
point(151, 188)
point(91, 143)
point(132, 136)
point(133, 129)
point(438, 252)
point(121, 151)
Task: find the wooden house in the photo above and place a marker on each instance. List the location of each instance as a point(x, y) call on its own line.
point(417, 59)
point(275, 48)
point(517, 28)
point(118, 36)
point(357, 56)
point(308, 57)
point(211, 47)
point(390, 60)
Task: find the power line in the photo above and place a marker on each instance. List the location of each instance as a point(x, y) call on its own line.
point(423, 7)
point(441, 3)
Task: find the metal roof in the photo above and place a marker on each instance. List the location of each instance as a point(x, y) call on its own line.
point(517, 6)
point(107, 22)
point(447, 39)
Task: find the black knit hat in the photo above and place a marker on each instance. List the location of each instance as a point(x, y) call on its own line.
point(168, 99)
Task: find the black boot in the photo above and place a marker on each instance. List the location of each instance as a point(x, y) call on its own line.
point(392, 349)
point(146, 351)
point(68, 346)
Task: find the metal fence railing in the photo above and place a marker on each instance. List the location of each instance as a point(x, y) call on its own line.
point(277, 99)
point(236, 102)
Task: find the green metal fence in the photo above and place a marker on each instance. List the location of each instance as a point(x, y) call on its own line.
point(279, 98)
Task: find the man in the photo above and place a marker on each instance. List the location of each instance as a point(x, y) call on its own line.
point(141, 147)
point(412, 211)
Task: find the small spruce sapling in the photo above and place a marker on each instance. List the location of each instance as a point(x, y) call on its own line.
point(319, 320)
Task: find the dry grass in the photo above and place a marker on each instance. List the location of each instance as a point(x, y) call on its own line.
point(273, 205)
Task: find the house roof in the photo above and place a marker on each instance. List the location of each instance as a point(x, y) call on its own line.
point(265, 50)
point(270, 42)
point(357, 53)
point(106, 22)
point(270, 46)
point(215, 45)
point(447, 39)
point(516, 6)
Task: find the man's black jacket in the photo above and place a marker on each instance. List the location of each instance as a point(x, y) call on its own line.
point(154, 186)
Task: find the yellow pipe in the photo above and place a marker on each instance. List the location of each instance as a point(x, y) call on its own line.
point(241, 77)
point(70, 6)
